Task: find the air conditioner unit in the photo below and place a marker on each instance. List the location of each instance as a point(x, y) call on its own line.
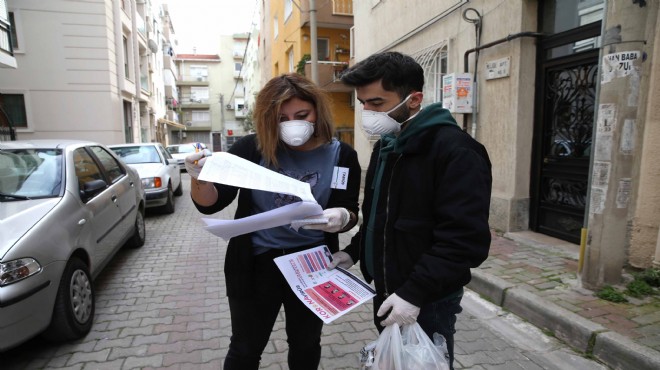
point(229, 107)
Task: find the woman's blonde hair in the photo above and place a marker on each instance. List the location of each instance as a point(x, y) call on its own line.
point(266, 114)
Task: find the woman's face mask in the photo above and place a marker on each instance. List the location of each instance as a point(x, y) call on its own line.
point(380, 123)
point(296, 133)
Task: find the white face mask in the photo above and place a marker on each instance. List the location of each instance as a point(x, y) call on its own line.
point(380, 123)
point(296, 133)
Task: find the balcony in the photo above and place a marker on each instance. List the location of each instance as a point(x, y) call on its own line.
point(329, 73)
point(192, 80)
point(342, 7)
point(193, 102)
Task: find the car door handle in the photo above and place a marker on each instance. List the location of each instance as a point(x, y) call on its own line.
point(82, 222)
point(132, 184)
point(114, 198)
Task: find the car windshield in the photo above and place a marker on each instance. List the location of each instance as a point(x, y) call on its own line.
point(176, 149)
point(138, 154)
point(30, 173)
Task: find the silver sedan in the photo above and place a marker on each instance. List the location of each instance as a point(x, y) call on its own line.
point(66, 207)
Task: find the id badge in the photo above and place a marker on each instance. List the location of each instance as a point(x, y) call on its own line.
point(339, 178)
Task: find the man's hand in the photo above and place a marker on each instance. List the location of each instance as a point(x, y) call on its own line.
point(195, 162)
point(341, 259)
point(403, 313)
point(338, 218)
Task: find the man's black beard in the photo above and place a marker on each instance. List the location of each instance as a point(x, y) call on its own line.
point(401, 114)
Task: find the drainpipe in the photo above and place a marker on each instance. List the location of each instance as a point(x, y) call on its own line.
point(312, 32)
point(475, 95)
point(477, 49)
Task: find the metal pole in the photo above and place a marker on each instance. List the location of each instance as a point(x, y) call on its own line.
point(312, 30)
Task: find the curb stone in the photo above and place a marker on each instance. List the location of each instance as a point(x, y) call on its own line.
point(620, 352)
point(613, 349)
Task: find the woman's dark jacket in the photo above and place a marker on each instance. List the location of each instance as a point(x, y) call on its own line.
point(431, 224)
point(239, 260)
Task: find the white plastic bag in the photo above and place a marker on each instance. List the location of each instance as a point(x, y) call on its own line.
point(405, 348)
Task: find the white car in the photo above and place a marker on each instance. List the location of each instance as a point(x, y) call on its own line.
point(66, 207)
point(159, 172)
point(181, 151)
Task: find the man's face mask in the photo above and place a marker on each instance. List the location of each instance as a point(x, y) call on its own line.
point(297, 132)
point(380, 123)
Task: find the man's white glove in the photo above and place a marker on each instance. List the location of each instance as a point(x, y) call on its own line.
point(195, 162)
point(403, 312)
point(338, 218)
point(341, 259)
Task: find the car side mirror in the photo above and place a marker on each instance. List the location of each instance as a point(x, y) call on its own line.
point(172, 161)
point(91, 188)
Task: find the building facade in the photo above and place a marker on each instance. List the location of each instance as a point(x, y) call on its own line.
point(288, 44)
point(101, 78)
point(560, 94)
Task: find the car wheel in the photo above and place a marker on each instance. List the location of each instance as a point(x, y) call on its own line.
point(179, 191)
point(74, 305)
point(169, 206)
point(139, 231)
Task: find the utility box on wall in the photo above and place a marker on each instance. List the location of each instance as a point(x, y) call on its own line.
point(457, 92)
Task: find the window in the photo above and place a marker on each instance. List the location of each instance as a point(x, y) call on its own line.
point(14, 106)
point(323, 48)
point(291, 61)
point(434, 61)
point(12, 28)
point(199, 94)
point(86, 169)
point(127, 73)
point(288, 9)
point(112, 168)
point(201, 116)
point(199, 73)
point(352, 42)
point(275, 28)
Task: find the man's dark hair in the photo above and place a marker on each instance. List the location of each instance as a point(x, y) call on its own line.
point(399, 73)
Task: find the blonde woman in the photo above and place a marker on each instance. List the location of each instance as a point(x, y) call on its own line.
point(294, 136)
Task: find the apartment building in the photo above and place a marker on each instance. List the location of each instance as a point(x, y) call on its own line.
point(561, 94)
point(86, 70)
point(287, 43)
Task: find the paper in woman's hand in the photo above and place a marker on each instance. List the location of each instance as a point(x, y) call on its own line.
point(228, 169)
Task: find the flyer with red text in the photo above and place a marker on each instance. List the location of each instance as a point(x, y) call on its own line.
point(328, 293)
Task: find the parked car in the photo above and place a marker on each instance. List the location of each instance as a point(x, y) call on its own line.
point(181, 151)
point(66, 207)
point(159, 172)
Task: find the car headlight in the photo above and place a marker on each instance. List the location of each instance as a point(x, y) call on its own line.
point(17, 270)
point(152, 182)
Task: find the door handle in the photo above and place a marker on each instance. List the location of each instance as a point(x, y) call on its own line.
point(549, 160)
point(114, 198)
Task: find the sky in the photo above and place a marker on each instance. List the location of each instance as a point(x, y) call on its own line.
point(198, 23)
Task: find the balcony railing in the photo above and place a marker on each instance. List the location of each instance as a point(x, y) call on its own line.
point(342, 7)
point(328, 75)
point(190, 99)
point(193, 78)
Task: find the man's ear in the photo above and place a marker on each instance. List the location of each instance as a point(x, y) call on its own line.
point(416, 99)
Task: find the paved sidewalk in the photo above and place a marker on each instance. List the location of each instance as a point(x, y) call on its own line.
point(534, 276)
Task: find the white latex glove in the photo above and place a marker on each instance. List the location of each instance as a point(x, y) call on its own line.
point(403, 312)
point(195, 162)
point(338, 218)
point(341, 259)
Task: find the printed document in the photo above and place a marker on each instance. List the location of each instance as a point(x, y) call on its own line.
point(228, 169)
point(328, 293)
